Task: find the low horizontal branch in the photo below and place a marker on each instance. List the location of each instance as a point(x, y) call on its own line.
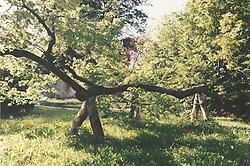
point(178, 93)
point(82, 94)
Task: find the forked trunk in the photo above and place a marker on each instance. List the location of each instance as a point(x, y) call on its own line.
point(88, 108)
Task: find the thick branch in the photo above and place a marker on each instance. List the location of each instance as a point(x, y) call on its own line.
point(95, 90)
point(46, 27)
point(81, 92)
point(178, 93)
point(73, 53)
point(79, 78)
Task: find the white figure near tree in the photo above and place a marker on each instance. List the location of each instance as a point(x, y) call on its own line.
point(199, 103)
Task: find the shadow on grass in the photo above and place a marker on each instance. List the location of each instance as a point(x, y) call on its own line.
point(40, 122)
point(156, 143)
point(121, 152)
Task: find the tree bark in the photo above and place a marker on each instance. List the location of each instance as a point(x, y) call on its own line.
point(88, 108)
point(79, 118)
point(95, 120)
point(134, 108)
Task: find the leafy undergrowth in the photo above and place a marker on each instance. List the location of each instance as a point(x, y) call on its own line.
point(41, 139)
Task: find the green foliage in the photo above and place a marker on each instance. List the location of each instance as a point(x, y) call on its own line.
point(127, 10)
point(92, 37)
point(20, 84)
point(39, 139)
point(207, 43)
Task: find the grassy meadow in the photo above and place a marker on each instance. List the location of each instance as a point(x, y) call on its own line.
point(40, 138)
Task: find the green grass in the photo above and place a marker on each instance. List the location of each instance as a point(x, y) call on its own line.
point(41, 139)
point(68, 103)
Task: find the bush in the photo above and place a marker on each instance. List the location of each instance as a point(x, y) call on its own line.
point(14, 110)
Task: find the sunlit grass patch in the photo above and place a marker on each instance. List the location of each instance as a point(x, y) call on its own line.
point(199, 156)
point(67, 103)
point(40, 151)
point(41, 138)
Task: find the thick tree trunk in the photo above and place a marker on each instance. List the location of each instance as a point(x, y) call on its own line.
point(79, 118)
point(88, 108)
point(95, 120)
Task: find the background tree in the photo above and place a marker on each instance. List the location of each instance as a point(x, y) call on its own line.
point(208, 43)
point(126, 10)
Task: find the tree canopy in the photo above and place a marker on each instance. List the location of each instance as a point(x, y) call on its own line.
point(208, 43)
point(81, 51)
